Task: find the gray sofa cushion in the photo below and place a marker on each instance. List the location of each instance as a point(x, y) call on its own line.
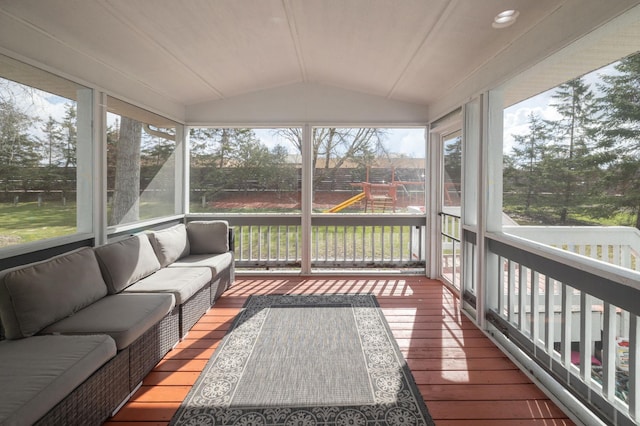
point(124, 317)
point(216, 263)
point(170, 244)
point(127, 261)
point(208, 237)
point(182, 283)
point(36, 295)
point(38, 372)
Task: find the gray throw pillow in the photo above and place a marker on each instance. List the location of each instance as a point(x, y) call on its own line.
point(127, 261)
point(170, 244)
point(45, 292)
point(208, 237)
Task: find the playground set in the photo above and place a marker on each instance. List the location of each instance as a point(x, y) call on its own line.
point(377, 197)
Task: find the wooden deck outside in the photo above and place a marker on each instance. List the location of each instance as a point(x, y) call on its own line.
point(463, 377)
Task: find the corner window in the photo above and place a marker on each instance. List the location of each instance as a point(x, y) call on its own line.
point(45, 138)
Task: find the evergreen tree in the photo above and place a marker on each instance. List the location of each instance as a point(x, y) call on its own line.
point(574, 137)
point(621, 134)
point(52, 143)
point(19, 154)
point(532, 155)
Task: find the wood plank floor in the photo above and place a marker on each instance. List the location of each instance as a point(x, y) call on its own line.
point(463, 377)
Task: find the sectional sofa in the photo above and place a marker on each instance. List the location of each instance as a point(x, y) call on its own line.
point(79, 331)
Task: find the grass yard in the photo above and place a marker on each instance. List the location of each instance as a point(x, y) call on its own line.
point(27, 222)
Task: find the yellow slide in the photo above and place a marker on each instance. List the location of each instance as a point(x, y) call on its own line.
point(346, 204)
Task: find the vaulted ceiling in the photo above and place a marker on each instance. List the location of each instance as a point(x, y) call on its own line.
point(195, 51)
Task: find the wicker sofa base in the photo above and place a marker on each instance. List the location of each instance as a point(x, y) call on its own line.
point(222, 282)
point(152, 346)
point(96, 398)
point(193, 309)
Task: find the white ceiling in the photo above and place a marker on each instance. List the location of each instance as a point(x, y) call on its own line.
point(194, 51)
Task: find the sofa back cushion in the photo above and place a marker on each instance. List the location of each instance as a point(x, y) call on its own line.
point(208, 237)
point(126, 261)
point(36, 295)
point(170, 244)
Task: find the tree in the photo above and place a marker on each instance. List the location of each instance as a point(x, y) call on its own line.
point(126, 206)
point(18, 150)
point(574, 137)
point(332, 147)
point(52, 143)
point(70, 130)
point(621, 134)
point(531, 154)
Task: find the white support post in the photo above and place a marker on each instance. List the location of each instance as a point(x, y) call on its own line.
point(307, 198)
point(181, 172)
point(434, 204)
point(99, 164)
point(489, 201)
point(84, 161)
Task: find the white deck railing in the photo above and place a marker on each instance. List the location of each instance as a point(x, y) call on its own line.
point(618, 245)
point(575, 316)
point(271, 241)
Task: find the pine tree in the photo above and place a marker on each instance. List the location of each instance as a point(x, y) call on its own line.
point(531, 154)
point(574, 136)
point(621, 105)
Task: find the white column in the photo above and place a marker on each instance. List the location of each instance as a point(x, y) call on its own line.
point(181, 172)
point(95, 158)
point(434, 203)
point(307, 197)
point(489, 201)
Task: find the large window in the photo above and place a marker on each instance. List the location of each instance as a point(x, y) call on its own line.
point(45, 138)
point(572, 154)
point(141, 164)
point(242, 170)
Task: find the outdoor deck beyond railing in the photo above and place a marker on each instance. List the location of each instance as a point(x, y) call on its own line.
point(271, 241)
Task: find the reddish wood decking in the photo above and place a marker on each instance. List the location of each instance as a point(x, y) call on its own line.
point(463, 377)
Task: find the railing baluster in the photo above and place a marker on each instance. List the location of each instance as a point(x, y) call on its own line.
point(239, 233)
point(512, 291)
point(565, 339)
point(279, 242)
point(634, 363)
point(268, 243)
point(343, 258)
point(522, 293)
point(391, 244)
point(535, 304)
point(373, 244)
point(250, 243)
point(335, 243)
point(353, 233)
point(609, 352)
point(586, 314)
point(549, 313)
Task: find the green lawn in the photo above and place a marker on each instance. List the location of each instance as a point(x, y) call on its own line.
point(26, 222)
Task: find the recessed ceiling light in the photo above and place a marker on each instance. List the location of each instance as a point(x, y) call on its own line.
point(505, 19)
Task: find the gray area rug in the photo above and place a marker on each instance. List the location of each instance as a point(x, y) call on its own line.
point(306, 360)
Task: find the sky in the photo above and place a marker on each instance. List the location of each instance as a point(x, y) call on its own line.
point(516, 117)
point(408, 141)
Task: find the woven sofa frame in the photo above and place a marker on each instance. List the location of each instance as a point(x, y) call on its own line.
point(96, 398)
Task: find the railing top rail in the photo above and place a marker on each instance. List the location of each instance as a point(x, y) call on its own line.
point(586, 235)
point(316, 219)
point(603, 269)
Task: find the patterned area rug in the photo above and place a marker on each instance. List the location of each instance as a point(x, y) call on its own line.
point(306, 360)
